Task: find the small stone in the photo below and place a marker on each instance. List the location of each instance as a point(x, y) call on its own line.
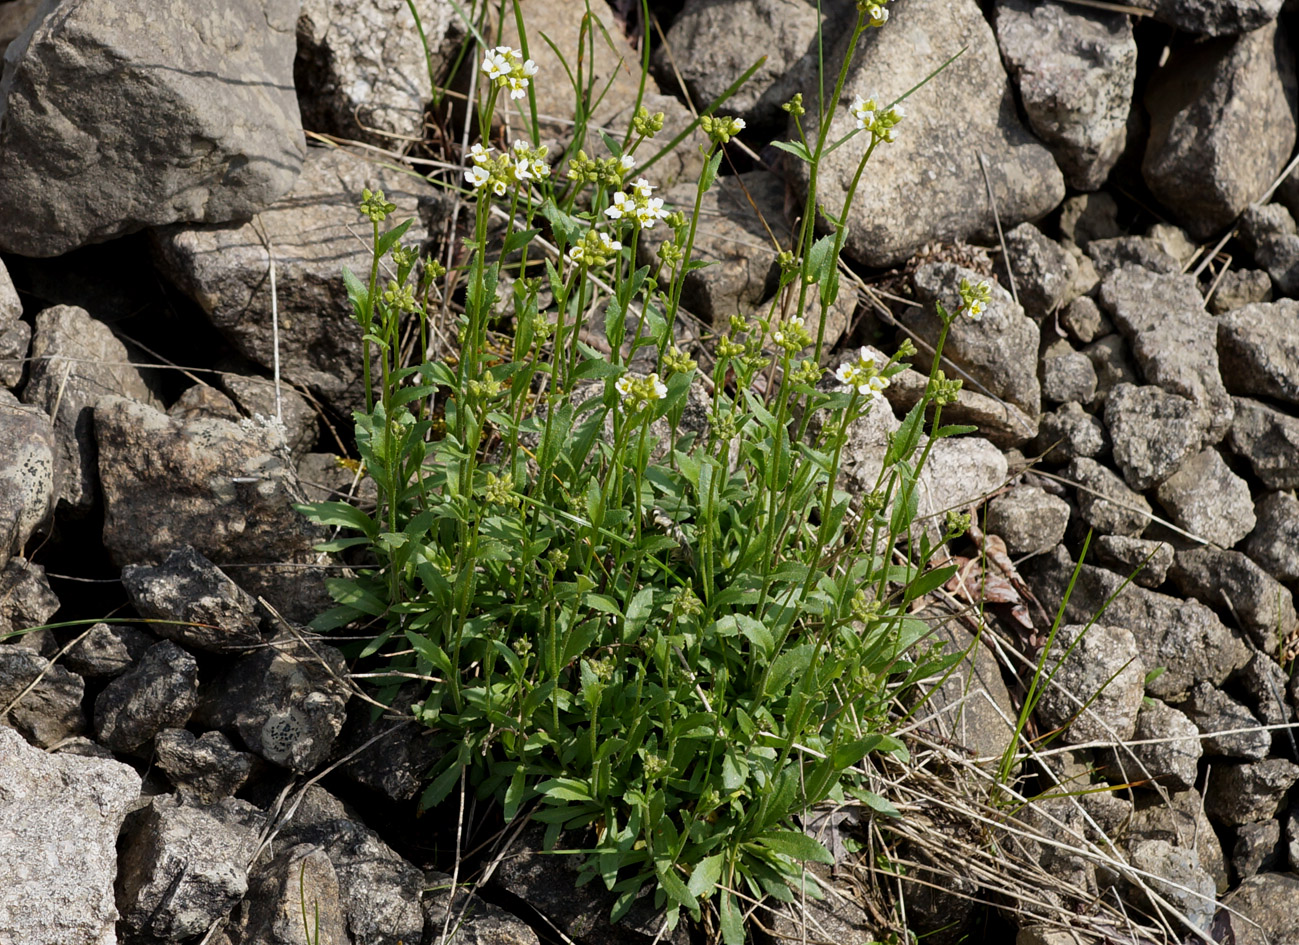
point(1083, 320)
point(1174, 241)
point(1212, 711)
point(1280, 257)
point(1067, 375)
point(1264, 683)
point(1292, 839)
point(1249, 793)
point(1183, 882)
point(1256, 849)
point(1228, 579)
point(1112, 360)
point(26, 599)
point(1274, 542)
point(1146, 561)
point(1068, 432)
point(201, 607)
point(1259, 350)
point(159, 693)
point(258, 397)
point(1170, 755)
point(1111, 255)
point(473, 920)
point(1178, 818)
point(1153, 433)
point(203, 402)
point(1264, 910)
point(1207, 499)
point(1258, 224)
point(1028, 519)
point(50, 708)
point(1238, 288)
point(1105, 503)
point(1103, 672)
point(1088, 217)
point(108, 650)
point(271, 913)
point(1269, 440)
point(205, 769)
point(396, 763)
point(1042, 270)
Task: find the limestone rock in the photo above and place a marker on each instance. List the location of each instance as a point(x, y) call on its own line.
point(1207, 499)
point(27, 473)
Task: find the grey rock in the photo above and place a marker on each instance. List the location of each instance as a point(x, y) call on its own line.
point(258, 396)
point(1213, 17)
point(42, 699)
point(1105, 503)
point(1248, 793)
point(1183, 882)
point(361, 71)
point(397, 763)
point(1086, 278)
point(1280, 257)
point(11, 306)
point(1146, 561)
point(379, 892)
point(1096, 666)
point(1083, 320)
point(836, 918)
point(1256, 848)
point(1112, 254)
point(1087, 217)
point(271, 913)
point(160, 692)
point(1075, 69)
point(205, 769)
point(998, 351)
point(1292, 839)
point(1274, 542)
point(1206, 159)
point(27, 473)
point(1153, 432)
point(225, 489)
point(1113, 363)
point(1207, 499)
point(862, 457)
point(714, 43)
point(546, 882)
point(182, 867)
point(1182, 636)
point(613, 66)
point(1261, 222)
point(1238, 288)
point(59, 824)
point(1068, 432)
point(1042, 269)
point(1259, 351)
point(1269, 440)
point(205, 609)
point(959, 472)
point(287, 701)
point(1264, 683)
point(15, 341)
point(1178, 818)
point(1028, 518)
point(204, 402)
point(1264, 609)
point(1000, 422)
point(214, 136)
point(1212, 711)
point(1174, 241)
point(1268, 907)
point(76, 363)
point(732, 239)
point(330, 477)
point(107, 650)
point(1166, 750)
point(473, 920)
point(26, 599)
point(1067, 375)
point(224, 269)
point(1173, 339)
point(947, 197)
point(970, 707)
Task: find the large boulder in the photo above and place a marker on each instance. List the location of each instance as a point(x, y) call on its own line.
point(1222, 126)
point(929, 184)
point(58, 843)
point(312, 235)
point(116, 115)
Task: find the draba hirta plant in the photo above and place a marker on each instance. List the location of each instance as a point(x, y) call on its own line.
point(646, 615)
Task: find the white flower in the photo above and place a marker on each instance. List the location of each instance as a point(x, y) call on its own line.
point(529, 68)
point(519, 145)
point(540, 168)
point(863, 110)
point(498, 188)
point(642, 188)
point(477, 176)
point(610, 245)
point(651, 213)
point(480, 155)
point(660, 389)
point(620, 207)
point(523, 169)
point(518, 87)
point(975, 309)
point(627, 162)
point(495, 63)
point(737, 125)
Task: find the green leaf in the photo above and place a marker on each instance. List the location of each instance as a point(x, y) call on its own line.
point(357, 291)
point(903, 441)
point(388, 239)
point(518, 239)
point(929, 581)
point(954, 429)
point(732, 921)
point(340, 514)
point(877, 803)
point(797, 845)
point(568, 229)
point(705, 876)
point(710, 171)
point(796, 148)
point(595, 368)
point(514, 794)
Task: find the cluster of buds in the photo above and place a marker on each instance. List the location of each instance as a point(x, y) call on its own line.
point(862, 374)
point(503, 171)
point(594, 250)
point(639, 392)
point(879, 122)
point(791, 336)
point(506, 68)
point(676, 361)
point(645, 124)
point(876, 12)
point(974, 299)
point(721, 130)
point(601, 171)
point(374, 206)
point(637, 204)
point(499, 490)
